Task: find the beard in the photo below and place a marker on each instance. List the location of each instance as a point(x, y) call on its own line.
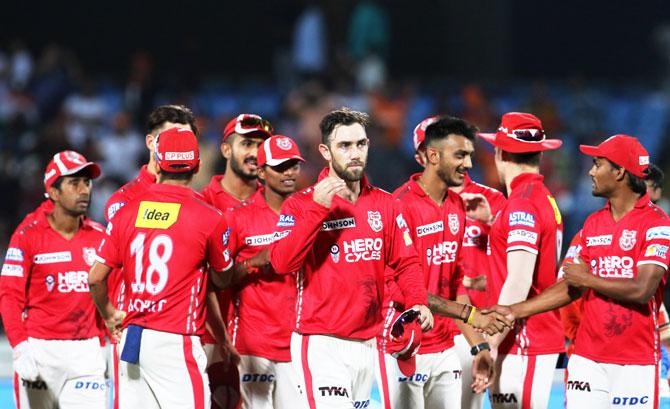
point(447, 178)
point(237, 168)
point(347, 174)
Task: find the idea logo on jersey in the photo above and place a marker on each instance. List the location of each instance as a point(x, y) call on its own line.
point(157, 215)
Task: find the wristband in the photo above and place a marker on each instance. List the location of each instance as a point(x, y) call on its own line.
point(480, 347)
point(472, 314)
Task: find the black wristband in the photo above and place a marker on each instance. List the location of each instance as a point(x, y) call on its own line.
point(480, 347)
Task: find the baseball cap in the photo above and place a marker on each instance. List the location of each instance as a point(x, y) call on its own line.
point(66, 163)
point(176, 150)
point(520, 132)
point(405, 340)
point(626, 151)
point(420, 131)
point(277, 150)
point(245, 124)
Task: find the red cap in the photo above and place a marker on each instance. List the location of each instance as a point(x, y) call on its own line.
point(245, 124)
point(405, 340)
point(420, 131)
point(176, 150)
point(626, 151)
point(520, 132)
point(68, 163)
point(277, 150)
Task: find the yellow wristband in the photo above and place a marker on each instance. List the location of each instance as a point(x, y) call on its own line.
point(472, 314)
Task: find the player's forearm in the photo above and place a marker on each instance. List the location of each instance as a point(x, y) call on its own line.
point(446, 308)
point(473, 337)
point(100, 299)
point(213, 319)
point(556, 296)
point(629, 290)
point(11, 311)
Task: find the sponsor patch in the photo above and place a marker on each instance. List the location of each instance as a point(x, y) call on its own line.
point(400, 221)
point(573, 251)
point(286, 220)
point(335, 253)
point(265, 239)
point(49, 258)
point(431, 228)
point(627, 239)
point(407, 238)
point(189, 155)
point(521, 219)
point(14, 254)
point(50, 282)
point(226, 237)
point(659, 232)
point(604, 240)
point(157, 215)
point(522, 235)
point(72, 281)
point(656, 250)
point(338, 224)
point(12, 270)
point(108, 230)
point(375, 221)
point(113, 208)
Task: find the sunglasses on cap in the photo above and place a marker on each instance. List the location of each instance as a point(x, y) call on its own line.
point(406, 317)
point(526, 135)
point(255, 122)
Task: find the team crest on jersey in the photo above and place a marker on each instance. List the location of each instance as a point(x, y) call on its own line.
point(375, 221)
point(627, 239)
point(284, 143)
point(50, 281)
point(89, 255)
point(454, 225)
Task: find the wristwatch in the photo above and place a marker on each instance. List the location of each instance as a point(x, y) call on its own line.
point(479, 347)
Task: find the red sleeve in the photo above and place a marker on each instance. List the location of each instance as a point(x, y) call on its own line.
point(302, 219)
point(13, 286)
point(234, 240)
point(656, 242)
point(402, 258)
point(523, 226)
point(218, 255)
point(109, 252)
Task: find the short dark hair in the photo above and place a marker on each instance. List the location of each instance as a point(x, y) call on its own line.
point(188, 175)
point(635, 183)
point(178, 114)
point(342, 116)
point(655, 175)
point(448, 125)
point(524, 158)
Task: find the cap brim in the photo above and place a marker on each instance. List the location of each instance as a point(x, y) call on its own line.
point(488, 137)
point(515, 146)
point(277, 162)
point(407, 366)
point(95, 170)
point(590, 150)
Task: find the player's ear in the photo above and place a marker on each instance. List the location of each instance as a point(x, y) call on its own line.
point(226, 150)
point(432, 156)
point(324, 150)
point(149, 141)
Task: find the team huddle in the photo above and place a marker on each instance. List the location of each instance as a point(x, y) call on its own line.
point(254, 294)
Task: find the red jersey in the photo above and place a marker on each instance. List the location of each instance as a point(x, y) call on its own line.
point(611, 331)
point(216, 196)
point(474, 257)
point(164, 239)
point(263, 303)
point(44, 287)
point(341, 253)
point(437, 234)
point(529, 221)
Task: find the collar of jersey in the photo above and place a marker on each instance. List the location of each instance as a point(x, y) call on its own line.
point(643, 201)
point(524, 178)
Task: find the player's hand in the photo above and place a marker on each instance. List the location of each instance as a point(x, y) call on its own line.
point(490, 322)
point(229, 354)
point(260, 259)
point(425, 318)
point(477, 207)
point(483, 371)
point(577, 275)
point(504, 310)
point(326, 189)
point(24, 362)
point(113, 323)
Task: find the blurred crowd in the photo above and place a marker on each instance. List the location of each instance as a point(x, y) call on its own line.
point(48, 103)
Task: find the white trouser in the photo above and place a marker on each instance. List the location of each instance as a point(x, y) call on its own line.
point(334, 372)
point(595, 385)
point(524, 381)
point(267, 384)
point(170, 373)
point(436, 384)
point(469, 399)
point(72, 375)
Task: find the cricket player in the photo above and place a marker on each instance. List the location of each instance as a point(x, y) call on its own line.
point(341, 235)
point(46, 310)
point(165, 239)
point(525, 241)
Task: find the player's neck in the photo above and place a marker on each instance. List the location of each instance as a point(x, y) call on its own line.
point(151, 165)
point(514, 170)
point(433, 186)
point(63, 222)
point(622, 202)
point(274, 199)
point(239, 188)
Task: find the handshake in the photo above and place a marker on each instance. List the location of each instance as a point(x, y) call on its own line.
point(491, 320)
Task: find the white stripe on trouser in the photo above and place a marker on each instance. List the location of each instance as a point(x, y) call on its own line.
point(72, 376)
point(436, 384)
point(469, 399)
point(342, 370)
point(523, 377)
point(595, 385)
